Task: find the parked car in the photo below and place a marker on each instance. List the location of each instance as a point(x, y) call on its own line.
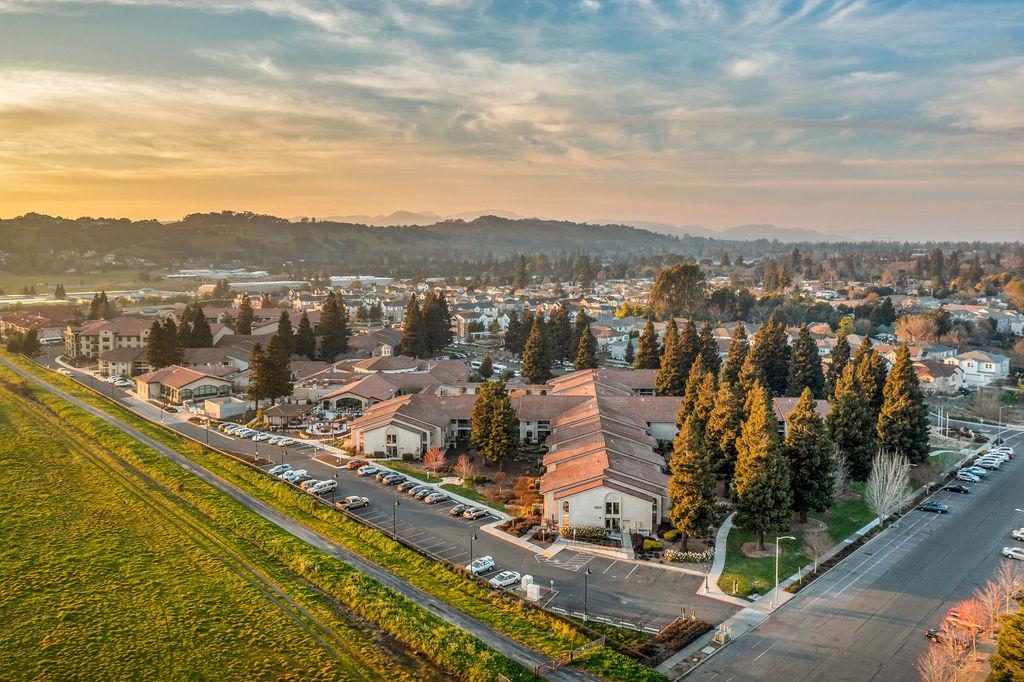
point(261, 437)
point(307, 484)
point(425, 492)
point(435, 498)
point(977, 471)
point(934, 507)
point(280, 469)
point(355, 502)
point(1014, 553)
point(368, 470)
point(988, 463)
point(355, 463)
point(475, 513)
point(505, 579)
point(330, 485)
point(65, 372)
point(958, 618)
point(480, 565)
point(301, 478)
point(934, 635)
point(963, 475)
point(408, 485)
point(274, 440)
point(956, 488)
point(382, 473)
point(394, 479)
point(1017, 534)
point(295, 473)
point(457, 510)
point(416, 490)
point(124, 384)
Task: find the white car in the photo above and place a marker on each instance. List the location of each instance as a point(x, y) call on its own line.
point(1014, 553)
point(124, 384)
point(280, 469)
point(988, 463)
point(260, 437)
point(967, 476)
point(1017, 534)
point(322, 487)
point(368, 470)
point(486, 563)
point(355, 502)
point(294, 474)
point(1003, 448)
point(505, 579)
point(65, 372)
point(306, 485)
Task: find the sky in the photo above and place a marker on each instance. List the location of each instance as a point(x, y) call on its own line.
point(898, 118)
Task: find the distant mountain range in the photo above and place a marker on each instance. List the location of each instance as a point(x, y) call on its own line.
point(737, 233)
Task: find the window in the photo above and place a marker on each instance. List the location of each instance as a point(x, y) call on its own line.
point(611, 508)
point(565, 506)
point(392, 438)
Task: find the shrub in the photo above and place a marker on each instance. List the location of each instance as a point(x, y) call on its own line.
point(583, 532)
point(673, 535)
point(653, 546)
point(691, 557)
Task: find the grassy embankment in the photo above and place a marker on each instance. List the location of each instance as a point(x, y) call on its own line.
point(541, 631)
point(743, 575)
point(107, 575)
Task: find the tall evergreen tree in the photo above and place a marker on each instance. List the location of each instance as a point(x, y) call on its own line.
point(805, 366)
point(266, 301)
point(437, 318)
point(648, 353)
point(486, 370)
point(750, 374)
point(494, 426)
point(670, 379)
point(691, 478)
point(560, 330)
point(519, 278)
point(305, 339)
point(536, 362)
point(513, 333)
point(586, 354)
point(175, 353)
point(871, 375)
point(157, 347)
point(810, 458)
point(689, 348)
point(723, 429)
point(739, 347)
point(771, 351)
point(334, 328)
point(257, 389)
point(761, 480)
point(851, 424)
point(243, 323)
point(903, 420)
point(580, 325)
point(691, 392)
point(838, 360)
point(59, 294)
point(276, 370)
point(628, 356)
point(709, 356)
point(202, 336)
point(414, 331)
point(185, 328)
point(285, 335)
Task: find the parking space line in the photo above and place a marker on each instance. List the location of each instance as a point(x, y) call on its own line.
point(631, 572)
point(609, 566)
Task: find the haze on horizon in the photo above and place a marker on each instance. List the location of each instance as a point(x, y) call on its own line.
point(897, 118)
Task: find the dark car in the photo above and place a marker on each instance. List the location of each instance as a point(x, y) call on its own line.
point(934, 635)
point(408, 485)
point(957, 488)
point(394, 480)
point(934, 507)
point(457, 510)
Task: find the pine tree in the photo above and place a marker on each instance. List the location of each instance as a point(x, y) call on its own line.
point(691, 392)
point(59, 294)
point(838, 360)
point(243, 323)
point(536, 363)
point(94, 306)
point(580, 325)
point(266, 301)
point(156, 346)
point(257, 389)
point(414, 341)
point(772, 353)
point(334, 328)
point(586, 354)
point(723, 429)
point(305, 339)
point(739, 347)
point(185, 328)
point(519, 278)
point(845, 327)
point(689, 348)
point(691, 479)
point(202, 336)
point(276, 371)
point(750, 374)
point(513, 332)
point(761, 480)
point(628, 356)
point(670, 379)
point(851, 424)
point(903, 420)
point(709, 356)
point(494, 426)
point(561, 332)
point(810, 458)
point(871, 375)
point(285, 335)
point(486, 370)
point(648, 354)
point(805, 366)
point(437, 319)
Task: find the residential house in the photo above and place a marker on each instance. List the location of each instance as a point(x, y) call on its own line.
point(935, 376)
point(177, 384)
point(980, 367)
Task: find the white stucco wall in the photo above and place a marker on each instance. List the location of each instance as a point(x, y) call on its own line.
point(588, 509)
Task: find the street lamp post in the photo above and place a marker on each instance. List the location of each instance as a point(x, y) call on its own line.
point(778, 540)
point(585, 575)
point(471, 538)
point(394, 518)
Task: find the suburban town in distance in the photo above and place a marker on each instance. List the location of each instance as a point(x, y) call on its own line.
point(596, 340)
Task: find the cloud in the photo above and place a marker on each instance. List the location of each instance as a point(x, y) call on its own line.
point(245, 61)
point(752, 66)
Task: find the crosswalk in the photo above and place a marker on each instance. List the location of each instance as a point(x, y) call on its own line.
point(572, 562)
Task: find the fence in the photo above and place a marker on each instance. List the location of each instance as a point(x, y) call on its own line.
point(557, 662)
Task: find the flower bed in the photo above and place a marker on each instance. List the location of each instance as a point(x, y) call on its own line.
point(690, 557)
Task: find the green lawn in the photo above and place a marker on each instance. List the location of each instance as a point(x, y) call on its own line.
point(847, 516)
point(541, 631)
point(115, 578)
point(472, 494)
point(410, 470)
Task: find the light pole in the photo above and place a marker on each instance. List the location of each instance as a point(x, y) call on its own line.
point(585, 576)
point(394, 518)
point(471, 538)
point(778, 540)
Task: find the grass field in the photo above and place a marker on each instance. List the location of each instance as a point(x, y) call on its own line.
point(508, 615)
point(108, 575)
point(472, 494)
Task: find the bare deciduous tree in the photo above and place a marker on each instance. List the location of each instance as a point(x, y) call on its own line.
point(949, 460)
point(887, 484)
point(434, 460)
point(499, 480)
point(933, 666)
point(1010, 581)
point(817, 543)
point(840, 472)
point(915, 328)
point(985, 404)
point(464, 468)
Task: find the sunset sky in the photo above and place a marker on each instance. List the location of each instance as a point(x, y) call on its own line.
point(899, 118)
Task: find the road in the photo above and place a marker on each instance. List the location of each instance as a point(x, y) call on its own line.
point(864, 620)
point(619, 592)
point(514, 650)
